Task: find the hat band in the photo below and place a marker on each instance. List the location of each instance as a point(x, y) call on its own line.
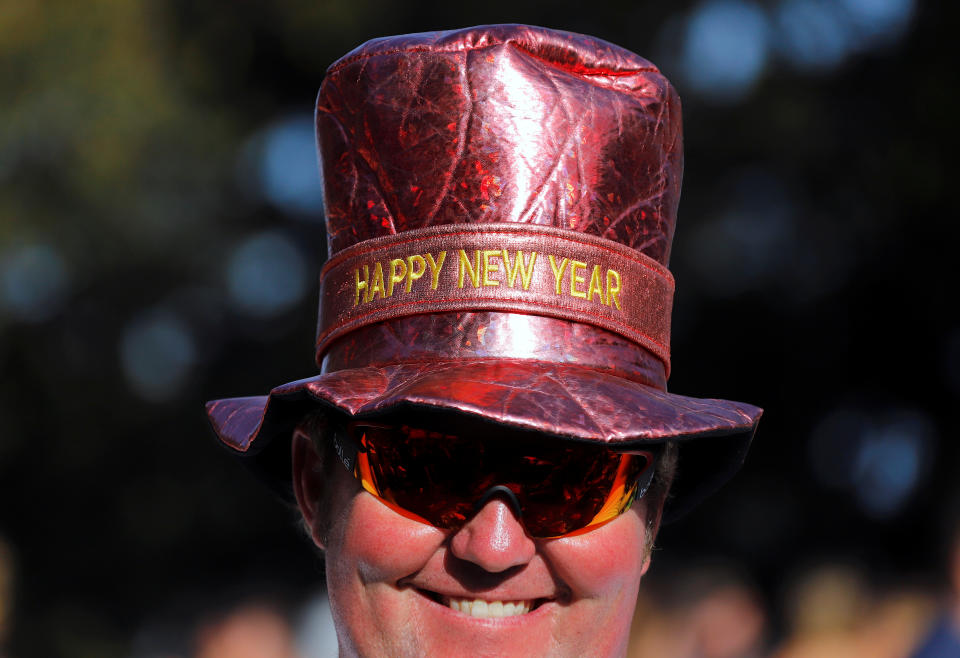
point(519, 268)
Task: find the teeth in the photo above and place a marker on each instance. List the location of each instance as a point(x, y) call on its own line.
point(490, 609)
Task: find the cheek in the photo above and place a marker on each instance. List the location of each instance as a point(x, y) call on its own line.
point(369, 549)
point(602, 568)
point(374, 544)
point(604, 565)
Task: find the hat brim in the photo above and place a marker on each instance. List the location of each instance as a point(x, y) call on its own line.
point(557, 399)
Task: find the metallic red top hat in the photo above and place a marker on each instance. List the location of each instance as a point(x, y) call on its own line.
point(500, 206)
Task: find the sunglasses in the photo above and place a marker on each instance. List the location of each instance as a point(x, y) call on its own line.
point(556, 488)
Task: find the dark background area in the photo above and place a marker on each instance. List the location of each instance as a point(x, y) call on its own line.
point(161, 234)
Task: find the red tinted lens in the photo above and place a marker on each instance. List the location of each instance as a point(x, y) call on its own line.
point(414, 470)
point(561, 486)
point(581, 491)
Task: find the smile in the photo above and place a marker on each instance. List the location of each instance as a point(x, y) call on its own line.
point(489, 609)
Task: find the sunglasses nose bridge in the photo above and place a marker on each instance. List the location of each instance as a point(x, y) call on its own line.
point(494, 538)
point(504, 492)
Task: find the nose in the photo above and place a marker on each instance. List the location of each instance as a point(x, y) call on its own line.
point(493, 539)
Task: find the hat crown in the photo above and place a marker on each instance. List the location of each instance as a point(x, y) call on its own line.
point(531, 142)
point(495, 124)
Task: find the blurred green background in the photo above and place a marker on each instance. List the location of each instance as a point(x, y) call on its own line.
point(161, 233)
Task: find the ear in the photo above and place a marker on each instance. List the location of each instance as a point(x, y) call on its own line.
point(654, 515)
point(308, 482)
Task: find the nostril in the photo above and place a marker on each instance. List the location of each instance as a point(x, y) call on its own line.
point(505, 493)
point(494, 539)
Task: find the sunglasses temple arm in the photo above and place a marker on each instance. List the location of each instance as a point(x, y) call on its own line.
point(646, 478)
point(346, 448)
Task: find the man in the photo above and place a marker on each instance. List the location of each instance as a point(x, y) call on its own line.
point(486, 455)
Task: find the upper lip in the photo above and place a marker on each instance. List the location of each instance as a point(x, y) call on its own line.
point(488, 597)
point(498, 594)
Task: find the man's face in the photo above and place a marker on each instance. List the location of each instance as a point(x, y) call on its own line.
point(399, 587)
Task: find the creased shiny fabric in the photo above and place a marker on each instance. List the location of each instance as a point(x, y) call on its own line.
point(491, 335)
point(569, 400)
point(492, 125)
point(500, 124)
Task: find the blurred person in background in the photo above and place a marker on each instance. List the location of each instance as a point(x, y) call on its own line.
point(249, 620)
point(825, 608)
point(246, 631)
point(833, 613)
point(943, 639)
point(487, 455)
point(705, 612)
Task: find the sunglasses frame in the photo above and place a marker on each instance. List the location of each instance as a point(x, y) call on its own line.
point(348, 449)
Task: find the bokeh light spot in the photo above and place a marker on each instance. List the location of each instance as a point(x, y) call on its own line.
point(888, 465)
point(725, 48)
point(879, 20)
point(289, 174)
point(814, 34)
point(157, 353)
point(33, 282)
point(266, 275)
point(879, 458)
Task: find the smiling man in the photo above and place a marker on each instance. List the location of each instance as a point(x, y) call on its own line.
point(488, 450)
point(483, 570)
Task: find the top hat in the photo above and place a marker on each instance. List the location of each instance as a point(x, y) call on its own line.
point(500, 205)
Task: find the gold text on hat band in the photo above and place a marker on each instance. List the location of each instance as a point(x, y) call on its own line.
point(501, 267)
